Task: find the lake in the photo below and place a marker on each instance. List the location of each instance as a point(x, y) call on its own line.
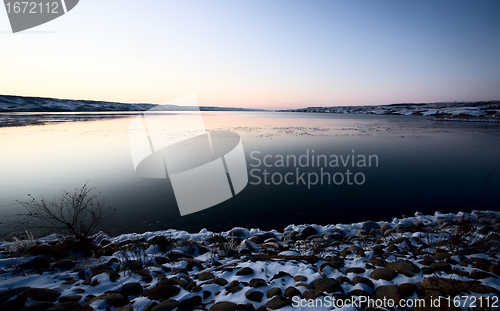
point(416, 165)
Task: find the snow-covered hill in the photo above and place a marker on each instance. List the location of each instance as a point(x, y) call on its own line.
point(484, 110)
point(10, 103)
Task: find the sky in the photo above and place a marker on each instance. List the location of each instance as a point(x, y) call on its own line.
point(270, 54)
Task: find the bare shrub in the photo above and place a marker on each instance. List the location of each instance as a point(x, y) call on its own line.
point(77, 213)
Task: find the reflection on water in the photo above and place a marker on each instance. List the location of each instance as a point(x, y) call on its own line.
point(423, 166)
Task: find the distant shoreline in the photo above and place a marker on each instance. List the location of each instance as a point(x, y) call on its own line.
point(9, 103)
point(483, 111)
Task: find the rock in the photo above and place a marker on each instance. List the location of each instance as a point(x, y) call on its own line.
point(166, 305)
point(245, 307)
point(131, 289)
point(312, 294)
point(150, 306)
point(101, 269)
point(435, 286)
point(378, 262)
point(280, 275)
point(146, 276)
point(84, 308)
point(113, 299)
point(480, 263)
point(334, 264)
point(478, 275)
point(495, 269)
point(257, 282)
point(427, 260)
point(407, 289)
point(40, 294)
point(206, 276)
point(388, 232)
point(363, 280)
point(36, 263)
point(233, 284)
point(7, 294)
point(359, 292)
point(261, 308)
point(383, 273)
point(162, 260)
point(406, 268)
point(126, 308)
point(257, 239)
point(65, 306)
point(307, 232)
point(69, 298)
point(399, 241)
point(190, 303)
point(385, 227)
point(343, 279)
point(218, 281)
point(327, 285)
point(393, 249)
point(161, 292)
point(307, 286)
point(12, 305)
point(254, 295)
point(389, 292)
point(63, 265)
point(291, 292)
point(427, 270)
point(82, 275)
point(233, 290)
point(300, 278)
point(442, 256)
point(441, 266)
point(278, 303)
point(356, 270)
point(192, 264)
point(369, 225)
point(224, 306)
point(39, 306)
point(245, 271)
point(276, 291)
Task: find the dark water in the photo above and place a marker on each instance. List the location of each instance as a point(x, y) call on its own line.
point(422, 166)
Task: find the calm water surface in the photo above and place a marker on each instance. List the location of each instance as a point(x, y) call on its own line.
point(423, 166)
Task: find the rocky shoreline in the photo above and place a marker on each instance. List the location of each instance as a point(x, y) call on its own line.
point(442, 261)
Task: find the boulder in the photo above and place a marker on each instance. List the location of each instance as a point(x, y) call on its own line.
point(291, 292)
point(40, 294)
point(389, 292)
point(257, 282)
point(162, 292)
point(245, 271)
point(254, 295)
point(406, 268)
point(276, 291)
point(224, 306)
point(129, 289)
point(362, 280)
point(204, 276)
point(383, 273)
point(278, 303)
point(166, 305)
point(327, 285)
